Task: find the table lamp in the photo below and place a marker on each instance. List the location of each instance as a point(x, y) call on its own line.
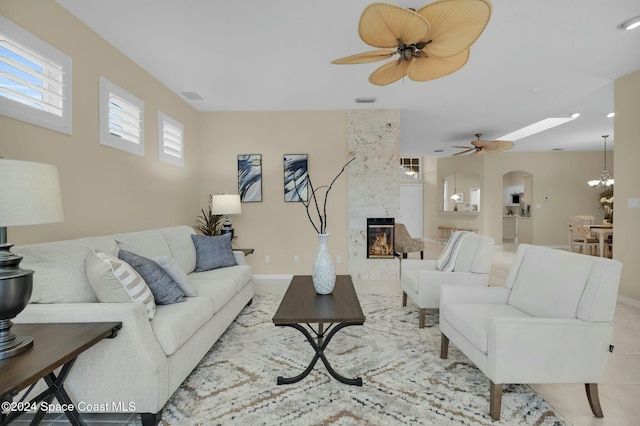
point(226, 204)
point(30, 194)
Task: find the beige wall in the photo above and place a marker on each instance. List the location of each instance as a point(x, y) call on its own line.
point(107, 191)
point(627, 156)
point(274, 227)
point(561, 176)
point(104, 190)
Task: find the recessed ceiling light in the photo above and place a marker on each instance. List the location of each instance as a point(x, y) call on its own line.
point(611, 115)
point(365, 100)
point(538, 127)
point(575, 115)
point(630, 23)
point(535, 90)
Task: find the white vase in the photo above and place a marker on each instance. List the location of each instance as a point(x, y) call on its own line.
point(324, 272)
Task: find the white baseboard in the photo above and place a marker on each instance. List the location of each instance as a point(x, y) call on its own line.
point(272, 277)
point(629, 301)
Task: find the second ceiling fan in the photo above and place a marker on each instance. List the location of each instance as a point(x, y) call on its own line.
point(480, 147)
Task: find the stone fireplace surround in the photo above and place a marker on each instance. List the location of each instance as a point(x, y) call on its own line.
point(373, 137)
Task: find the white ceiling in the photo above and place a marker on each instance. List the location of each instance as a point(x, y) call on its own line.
point(536, 59)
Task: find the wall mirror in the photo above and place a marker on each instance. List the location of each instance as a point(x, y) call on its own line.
point(461, 193)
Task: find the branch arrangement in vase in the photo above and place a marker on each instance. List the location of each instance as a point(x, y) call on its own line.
point(313, 204)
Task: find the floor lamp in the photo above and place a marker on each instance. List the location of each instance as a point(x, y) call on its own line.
point(29, 194)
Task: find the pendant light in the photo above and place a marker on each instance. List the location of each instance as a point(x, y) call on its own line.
point(455, 196)
point(605, 180)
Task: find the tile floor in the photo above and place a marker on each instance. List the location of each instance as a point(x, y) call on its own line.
point(619, 392)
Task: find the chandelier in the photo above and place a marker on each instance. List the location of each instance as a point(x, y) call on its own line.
point(605, 180)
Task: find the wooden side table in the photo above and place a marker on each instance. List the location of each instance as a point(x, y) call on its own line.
point(54, 345)
point(246, 251)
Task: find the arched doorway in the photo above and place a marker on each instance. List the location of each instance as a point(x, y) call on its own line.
point(517, 222)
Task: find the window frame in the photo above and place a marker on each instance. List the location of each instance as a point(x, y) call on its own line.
point(47, 54)
point(162, 154)
point(107, 88)
point(413, 164)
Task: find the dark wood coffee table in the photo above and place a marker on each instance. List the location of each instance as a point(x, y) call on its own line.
point(54, 345)
point(302, 305)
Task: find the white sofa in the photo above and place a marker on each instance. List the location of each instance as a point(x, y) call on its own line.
point(149, 359)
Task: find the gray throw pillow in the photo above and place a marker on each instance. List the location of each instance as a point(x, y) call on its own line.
point(213, 252)
point(165, 290)
point(179, 276)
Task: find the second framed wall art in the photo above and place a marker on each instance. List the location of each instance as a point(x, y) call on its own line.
point(295, 177)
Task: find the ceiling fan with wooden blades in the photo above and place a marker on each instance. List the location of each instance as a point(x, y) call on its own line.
point(480, 147)
point(430, 42)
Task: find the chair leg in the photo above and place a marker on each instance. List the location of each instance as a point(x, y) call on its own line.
point(422, 254)
point(444, 346)
point(404, 299)
point(594, 399)
point(404, 255)
point(495, 400)
point(421, 317)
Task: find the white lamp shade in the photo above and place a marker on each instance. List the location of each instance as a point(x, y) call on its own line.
point(226, 204)
point(29, 193)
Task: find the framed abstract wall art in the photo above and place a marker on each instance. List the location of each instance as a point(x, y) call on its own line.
point(250, 178)
point(295, 177)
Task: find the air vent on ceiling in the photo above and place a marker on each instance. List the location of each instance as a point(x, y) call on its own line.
point(365, 100)
point(193, 96)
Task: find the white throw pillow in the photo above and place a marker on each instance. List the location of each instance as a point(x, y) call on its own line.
point(179, 276)
point(114, 280)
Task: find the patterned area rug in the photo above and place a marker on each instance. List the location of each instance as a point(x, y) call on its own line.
point(405, 381)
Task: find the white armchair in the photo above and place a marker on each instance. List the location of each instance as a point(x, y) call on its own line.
point(551, 323)
point(421, 279)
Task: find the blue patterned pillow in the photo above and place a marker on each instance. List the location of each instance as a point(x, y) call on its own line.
point(165, 290)
point(213, 252)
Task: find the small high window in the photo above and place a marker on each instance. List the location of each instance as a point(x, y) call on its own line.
point(35, 79)
point(170, 140)
point(409, 168)
point(121, 118)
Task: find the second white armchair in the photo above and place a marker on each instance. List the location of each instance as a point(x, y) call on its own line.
point(471, 263)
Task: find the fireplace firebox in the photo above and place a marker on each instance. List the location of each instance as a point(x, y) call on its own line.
point(380, 238)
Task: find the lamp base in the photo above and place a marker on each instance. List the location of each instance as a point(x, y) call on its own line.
point(10, 344)
point(227, 228)
point(15, 291)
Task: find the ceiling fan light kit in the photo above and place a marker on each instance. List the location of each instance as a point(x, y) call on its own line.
point(430, 42)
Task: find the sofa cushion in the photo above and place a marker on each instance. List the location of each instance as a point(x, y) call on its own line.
point(177, 273)
point(472, 320)
point(175, 324)
point(219, 291)
point(114, 280)
point(239, 274)
point(181, 246)
point(552, 291)
point(150, 244)
point(213, 252)
point(59, 268)
point(165, 290)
